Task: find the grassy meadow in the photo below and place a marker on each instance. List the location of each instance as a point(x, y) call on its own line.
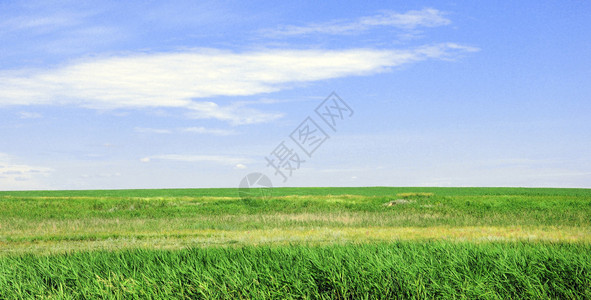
point(299, 243)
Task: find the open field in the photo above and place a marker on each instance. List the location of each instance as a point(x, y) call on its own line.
point(315, 242)
point(51, 222)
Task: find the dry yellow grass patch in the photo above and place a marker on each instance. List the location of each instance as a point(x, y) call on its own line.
point(178, 239)
point(406, 195)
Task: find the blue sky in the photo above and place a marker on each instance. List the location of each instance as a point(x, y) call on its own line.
point(147, 94)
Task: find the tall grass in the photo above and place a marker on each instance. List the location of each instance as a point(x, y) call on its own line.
point(353, 271)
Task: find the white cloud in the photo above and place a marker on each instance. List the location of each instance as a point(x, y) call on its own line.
point(212, 131)
point(39, 24)
point(178, 80)
point(427, 17)
point(151, 130)
point(240, 167)
point(57, 29)
point(100, 175)
point(197, 130)
point(218, 159)
point(29, 115)
point(15, 175)
point(234, 113)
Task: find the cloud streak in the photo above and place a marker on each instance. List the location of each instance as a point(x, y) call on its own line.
point(186, 79)
point(17, 175)
point(152, 130)
point(212, 131)
point(195, 130)
point(413, 19)
point(29, 115)
point(217, 159)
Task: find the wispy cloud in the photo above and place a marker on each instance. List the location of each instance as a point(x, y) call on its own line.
point(41, 24)
point(17, 175)
point(29, 115)
point(101, 175)
point(240, 167)
point(52, 28)
point(152, 130)
point(218, 159)
point(180, 79)
point(212, 131)
point(413, 19)
point(196, 130)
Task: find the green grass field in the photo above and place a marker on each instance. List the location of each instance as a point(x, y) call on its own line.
point(302, 242)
